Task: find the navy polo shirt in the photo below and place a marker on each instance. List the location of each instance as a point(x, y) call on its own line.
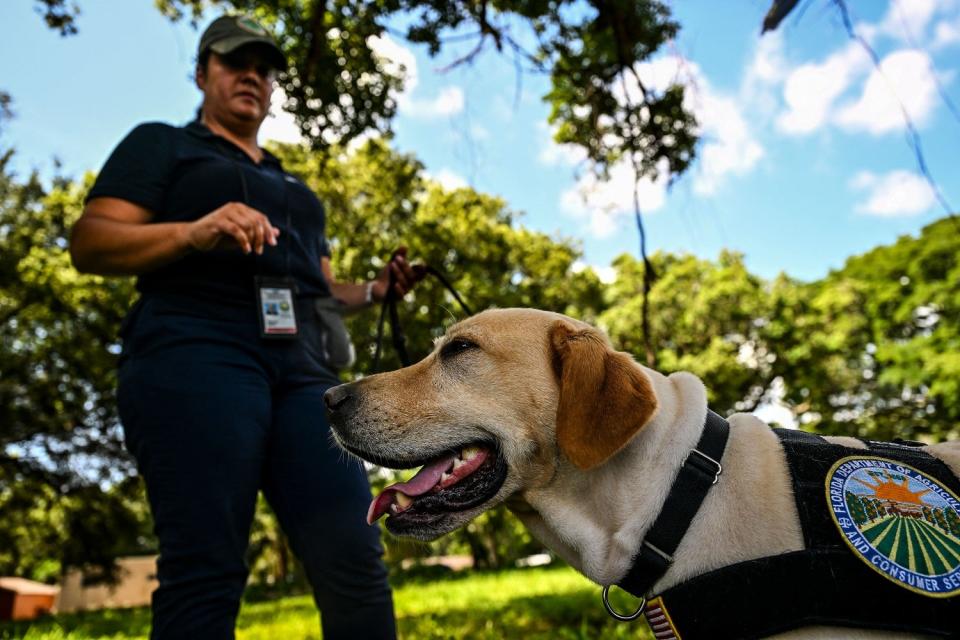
point(181, 174)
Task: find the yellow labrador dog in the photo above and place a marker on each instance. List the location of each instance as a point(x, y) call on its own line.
point(536, 411)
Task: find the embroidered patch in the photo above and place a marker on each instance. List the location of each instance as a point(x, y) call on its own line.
point(902, 523)
point(249, 25)
point(659, 620)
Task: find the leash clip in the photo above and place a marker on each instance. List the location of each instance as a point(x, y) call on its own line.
point(717, 467)
point(619, 616)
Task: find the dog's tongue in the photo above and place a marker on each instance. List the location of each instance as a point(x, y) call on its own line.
point(427, 478)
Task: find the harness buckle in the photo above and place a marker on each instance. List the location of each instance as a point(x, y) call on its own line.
point(717, 467)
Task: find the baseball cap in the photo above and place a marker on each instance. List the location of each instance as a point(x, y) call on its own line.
point(228, 33)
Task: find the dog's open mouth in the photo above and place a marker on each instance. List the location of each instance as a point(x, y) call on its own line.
point(446, 484)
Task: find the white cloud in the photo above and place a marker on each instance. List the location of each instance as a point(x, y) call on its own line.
point(279, 125)
point(766, 71)
point(773, 410)
point(946, 34)
point(479, 132)
point(604, 204)
point(897, 193)
point(819, 94)
point(554, 154)
point(607, 274)
point(811, 89)
point(448, 102)
point(776, 414)
point(768, 63)
point(396, 59)
point(905, 74)
point(448, 179)
point(400, 60)
point(907, 20)
point(729, 147)
point(841, 89)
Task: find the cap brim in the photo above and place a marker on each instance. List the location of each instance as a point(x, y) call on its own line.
point(229, 45)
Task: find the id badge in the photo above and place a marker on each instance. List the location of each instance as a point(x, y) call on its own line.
point(276, 308)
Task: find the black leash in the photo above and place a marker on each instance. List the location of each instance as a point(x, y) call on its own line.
point(701, 471)
point(389, 305)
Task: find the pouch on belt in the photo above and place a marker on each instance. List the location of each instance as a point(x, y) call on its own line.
point(337, 346)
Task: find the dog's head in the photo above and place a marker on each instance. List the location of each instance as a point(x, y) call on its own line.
point(505, 398)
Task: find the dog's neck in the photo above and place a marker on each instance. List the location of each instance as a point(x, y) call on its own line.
point(596, 519)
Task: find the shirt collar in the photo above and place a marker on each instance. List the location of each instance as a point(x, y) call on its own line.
point(201, 130)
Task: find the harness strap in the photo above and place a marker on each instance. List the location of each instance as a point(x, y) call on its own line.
point(823, 584)
point(700, 471)
point(771, 595)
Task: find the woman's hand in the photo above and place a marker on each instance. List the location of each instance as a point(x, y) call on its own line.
point(405, 276)
point(232, 225)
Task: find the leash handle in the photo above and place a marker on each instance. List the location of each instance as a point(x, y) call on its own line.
point(388, 296)
point(389, 306)
point(396, 331)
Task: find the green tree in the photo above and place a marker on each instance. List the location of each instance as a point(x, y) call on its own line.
point(377, 199)
point(5, 112)
point(871, 508)
point(60, 15)
point(47, 529)
point(857, 511)
point(338, 87)
point(870, 350)
point(60, 440)
point(953, 521)
point(273, 567)
point(873, 349)
point(708, 318)
point(61, 453)
point(941, 519)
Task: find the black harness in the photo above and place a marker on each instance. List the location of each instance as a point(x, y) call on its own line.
point(828, 582)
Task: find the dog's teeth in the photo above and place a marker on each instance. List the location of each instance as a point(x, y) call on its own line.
point(470, 452)
point(394, 508)
point(444, 478)
point(403, 500)
point(457, 462)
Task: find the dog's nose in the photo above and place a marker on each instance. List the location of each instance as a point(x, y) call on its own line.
point(338, 398)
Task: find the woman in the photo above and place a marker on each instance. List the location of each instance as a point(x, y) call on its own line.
point(225, 363)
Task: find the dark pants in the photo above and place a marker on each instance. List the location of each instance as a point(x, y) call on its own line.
point(213, 414)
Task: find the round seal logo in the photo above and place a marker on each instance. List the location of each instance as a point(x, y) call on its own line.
point(902, 523)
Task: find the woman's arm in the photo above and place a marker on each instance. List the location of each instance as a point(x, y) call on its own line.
point(360, 296)
point(116, 237)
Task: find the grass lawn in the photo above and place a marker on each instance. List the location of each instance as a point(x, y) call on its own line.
point(543, 603)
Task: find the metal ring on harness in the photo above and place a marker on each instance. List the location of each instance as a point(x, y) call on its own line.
point(620, 616)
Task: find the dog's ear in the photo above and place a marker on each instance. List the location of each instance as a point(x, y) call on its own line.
point(604, 396)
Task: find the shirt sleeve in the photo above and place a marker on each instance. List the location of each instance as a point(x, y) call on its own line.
point(138, 170)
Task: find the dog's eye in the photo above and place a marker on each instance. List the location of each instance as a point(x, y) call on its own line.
point(456, 346)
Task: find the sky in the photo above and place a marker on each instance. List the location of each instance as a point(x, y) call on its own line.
point(803, 159)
